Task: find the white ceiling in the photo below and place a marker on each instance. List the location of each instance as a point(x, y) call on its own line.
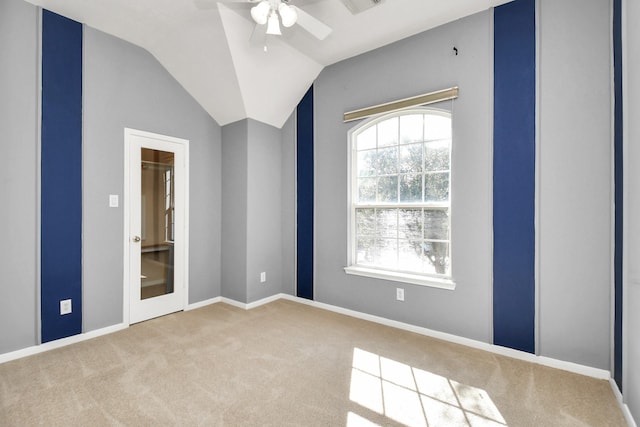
point(210, 46)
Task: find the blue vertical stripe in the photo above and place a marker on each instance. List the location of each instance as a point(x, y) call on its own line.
point(618, 176)
point(514, 175)
point(304, 160)
point(61, 186)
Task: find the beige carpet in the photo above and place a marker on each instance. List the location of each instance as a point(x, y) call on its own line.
point(288, 364)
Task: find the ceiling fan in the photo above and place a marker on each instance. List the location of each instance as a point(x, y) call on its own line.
point(274, 13)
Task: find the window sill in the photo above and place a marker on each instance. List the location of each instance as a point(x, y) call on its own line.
point(415, 279)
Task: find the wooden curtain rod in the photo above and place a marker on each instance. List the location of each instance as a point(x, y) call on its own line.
point(414, 101)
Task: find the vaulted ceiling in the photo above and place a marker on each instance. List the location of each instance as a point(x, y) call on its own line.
point(216, 52)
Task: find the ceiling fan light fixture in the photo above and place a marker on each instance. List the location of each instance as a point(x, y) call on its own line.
point(288, 15)
point(273, 25)
point(260, 12)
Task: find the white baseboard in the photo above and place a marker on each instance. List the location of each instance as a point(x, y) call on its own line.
point(623, 406)
point(264, 301)
point(234, 303)
point(63, 342)
point(249, 306)
point(516, 354)
point(204, 303)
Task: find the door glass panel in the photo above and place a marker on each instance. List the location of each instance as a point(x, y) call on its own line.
point(157, 223)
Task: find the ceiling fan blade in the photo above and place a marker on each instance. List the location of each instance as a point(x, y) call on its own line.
point(315, 27)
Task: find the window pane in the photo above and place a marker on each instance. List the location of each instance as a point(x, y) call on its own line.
point(437, 156)
point(365, 222)
point(388, 253)
point(366, 190)
point(436, 257)
point(367, 163)
point(367, 253)
point(411, 128)
point(411, 158)
point(387, 161)
point(436, 127)
point(388, 189)
point(387, 222)
point(410, 255)
point(410, 224)
point(411, 188)
point(436, 224)
point(388, 132)
point(366, 139)
point(436, 187)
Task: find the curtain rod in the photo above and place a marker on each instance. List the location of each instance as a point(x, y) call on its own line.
point(414, 101)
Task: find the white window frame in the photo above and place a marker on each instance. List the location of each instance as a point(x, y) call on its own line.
point(424, 279)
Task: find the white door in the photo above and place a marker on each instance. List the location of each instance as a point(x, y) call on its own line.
point(155, 225)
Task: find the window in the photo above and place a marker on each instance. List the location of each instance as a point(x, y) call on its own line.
point(400, 206)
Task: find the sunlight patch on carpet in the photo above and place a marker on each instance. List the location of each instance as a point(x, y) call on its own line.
point(414, 397)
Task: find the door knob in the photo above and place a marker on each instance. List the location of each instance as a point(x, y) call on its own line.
point(136, 238)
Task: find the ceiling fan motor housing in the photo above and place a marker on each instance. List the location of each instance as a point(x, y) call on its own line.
point(274, 12)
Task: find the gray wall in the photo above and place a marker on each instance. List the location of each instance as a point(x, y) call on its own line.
point(264, 207)
point(288, 224)
point(574, 182)
point(420, 64)
point(234, 210)
point(575, 172)
point(631, 310)
point(19, 36)
point(252, 206)
point(124, 86)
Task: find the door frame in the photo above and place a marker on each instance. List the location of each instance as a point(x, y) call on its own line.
point(128, 135)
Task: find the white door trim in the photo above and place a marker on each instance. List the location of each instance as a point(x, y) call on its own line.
point(128, 134)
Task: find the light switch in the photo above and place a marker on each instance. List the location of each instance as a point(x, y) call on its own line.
point(113, 200)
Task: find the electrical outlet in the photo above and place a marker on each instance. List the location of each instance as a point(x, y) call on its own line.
point(263, 277)
point(113, 200)
point(400, 294)
point(65, 306)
